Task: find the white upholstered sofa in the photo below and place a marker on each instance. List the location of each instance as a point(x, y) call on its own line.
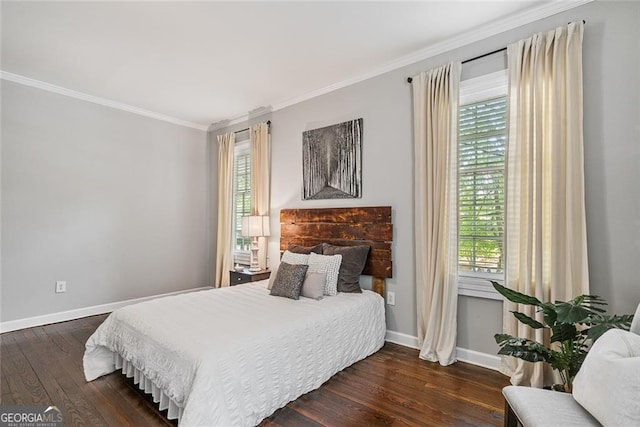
point(606, 391)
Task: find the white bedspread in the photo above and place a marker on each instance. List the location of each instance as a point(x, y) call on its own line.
point(232, 356)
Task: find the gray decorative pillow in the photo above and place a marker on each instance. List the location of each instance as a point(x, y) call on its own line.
point(289, 258)
point(289, 280)
point(353, 260)
point(305, 249)
point(313, 285)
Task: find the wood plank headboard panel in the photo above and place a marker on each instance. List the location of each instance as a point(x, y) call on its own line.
point(344, 227)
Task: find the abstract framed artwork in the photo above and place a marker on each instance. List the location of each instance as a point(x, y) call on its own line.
point(332, 162)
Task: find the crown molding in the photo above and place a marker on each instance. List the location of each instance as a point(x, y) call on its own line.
point(540, 12)
point(242, 118)
point(16, 78)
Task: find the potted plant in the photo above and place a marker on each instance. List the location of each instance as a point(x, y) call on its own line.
point(574, 325)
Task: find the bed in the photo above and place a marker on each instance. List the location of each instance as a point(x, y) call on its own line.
point(233, 356)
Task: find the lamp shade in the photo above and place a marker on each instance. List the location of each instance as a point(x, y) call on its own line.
point(255, 226)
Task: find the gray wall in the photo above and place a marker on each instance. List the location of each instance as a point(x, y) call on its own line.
point(612, 164)
point(114, 203)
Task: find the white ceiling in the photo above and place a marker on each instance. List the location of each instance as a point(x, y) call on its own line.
point(204, 62)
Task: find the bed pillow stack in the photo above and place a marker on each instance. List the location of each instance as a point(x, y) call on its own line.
point(338, 267)
point(322, 273)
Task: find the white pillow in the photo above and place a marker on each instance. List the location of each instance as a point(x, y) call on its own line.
point(608, 383)
point(329, 264)
point(294, 258)
point(635, 324)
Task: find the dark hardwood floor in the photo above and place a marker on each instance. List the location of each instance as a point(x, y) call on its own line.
point(43, 366)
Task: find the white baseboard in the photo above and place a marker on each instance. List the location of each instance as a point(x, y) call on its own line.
point(402, 339)
point(78, 313)
point(477, 358)
point(473, 357)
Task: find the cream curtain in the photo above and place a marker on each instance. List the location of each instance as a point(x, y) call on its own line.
point(435, 110)
point(546, 244)
point(224, 256)
point(260, 180)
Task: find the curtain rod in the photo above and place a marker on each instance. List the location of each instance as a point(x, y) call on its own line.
point(244, 130)
point(410, 79)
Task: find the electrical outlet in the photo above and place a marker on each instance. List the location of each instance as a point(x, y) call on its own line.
point(61, 286)
point(391, 298)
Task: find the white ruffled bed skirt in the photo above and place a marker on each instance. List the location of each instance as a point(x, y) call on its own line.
point(145, 384)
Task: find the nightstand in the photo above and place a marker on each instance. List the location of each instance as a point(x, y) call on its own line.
point(246, 276)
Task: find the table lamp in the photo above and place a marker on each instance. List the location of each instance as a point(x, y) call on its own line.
point(255, 226)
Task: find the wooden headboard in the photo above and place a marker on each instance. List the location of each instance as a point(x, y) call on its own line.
point(344, 227)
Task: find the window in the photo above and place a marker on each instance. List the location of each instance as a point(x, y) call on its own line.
point(482, 136)
point(241, 200)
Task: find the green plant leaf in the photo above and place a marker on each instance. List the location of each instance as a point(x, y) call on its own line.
point(524, 349)
point(573, 311)
point(602, 324)
point(523, 353)
point(563, 332)
point(576, 364)
point(503, 338)
point(528, 320)
point(594, 300)
point(550, 315)
point(561, 361)
point(515, 296)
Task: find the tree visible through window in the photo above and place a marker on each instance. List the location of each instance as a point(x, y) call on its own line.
point(241, 195)
point(482, 146)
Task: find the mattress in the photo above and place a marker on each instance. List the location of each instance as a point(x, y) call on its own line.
point(232, 356)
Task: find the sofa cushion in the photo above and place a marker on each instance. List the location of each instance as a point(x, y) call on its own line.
point(536, 407)
point(608, 383)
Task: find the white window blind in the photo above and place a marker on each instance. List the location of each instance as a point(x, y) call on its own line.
point(482, 146)
point(241, 197)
